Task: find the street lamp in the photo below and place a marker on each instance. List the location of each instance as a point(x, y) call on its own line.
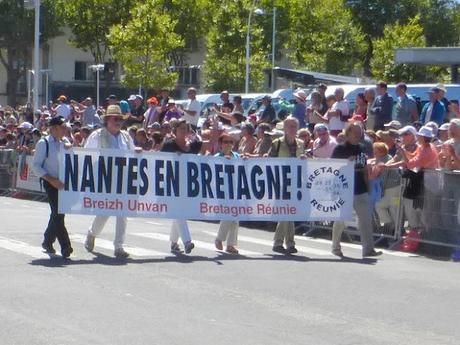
point(29, 4)
point(97, 69)
point(259, 11)
point(46, 73)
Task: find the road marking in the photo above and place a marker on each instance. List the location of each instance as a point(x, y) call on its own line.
point(269, 243)
point(105, 244)
point(22, 248)
point(355, 246)
point(198, 244)
point(155, 223)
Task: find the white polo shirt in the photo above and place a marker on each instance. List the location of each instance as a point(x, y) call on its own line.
point(192, 105)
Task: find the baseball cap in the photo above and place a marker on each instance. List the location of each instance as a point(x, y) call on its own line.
point(26, 125)
point(131, 97)
point(56, 121)
point(395, 124)
point(444, 127)
point(408, 129)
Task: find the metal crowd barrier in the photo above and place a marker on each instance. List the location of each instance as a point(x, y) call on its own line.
point(433, 212)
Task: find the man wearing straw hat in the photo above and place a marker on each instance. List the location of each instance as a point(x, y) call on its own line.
point(110, 137)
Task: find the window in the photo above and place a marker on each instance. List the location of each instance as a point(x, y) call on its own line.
point(188, 75)
point(81, 70)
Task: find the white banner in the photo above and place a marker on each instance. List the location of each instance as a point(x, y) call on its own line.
point(153, 184)
point(25, 176)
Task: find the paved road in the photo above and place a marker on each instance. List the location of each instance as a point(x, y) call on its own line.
point(210, 297)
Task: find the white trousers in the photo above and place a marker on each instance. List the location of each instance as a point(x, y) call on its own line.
point(120, 229)
point(387, 207)
point(228, 231)
point(179, 228)
point(365, 226)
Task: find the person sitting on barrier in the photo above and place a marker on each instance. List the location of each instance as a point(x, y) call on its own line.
point(287, 146)
point(228, 229)
point(353, 150)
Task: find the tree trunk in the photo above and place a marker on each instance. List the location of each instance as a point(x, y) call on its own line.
point(367, 58)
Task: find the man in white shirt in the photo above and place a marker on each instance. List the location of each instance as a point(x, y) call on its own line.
point(62, 108)
point(192, 108)
point(324, 144)
point(110, 136)
point(339, 108)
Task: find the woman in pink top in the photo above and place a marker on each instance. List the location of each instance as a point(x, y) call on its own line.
point(426, 155)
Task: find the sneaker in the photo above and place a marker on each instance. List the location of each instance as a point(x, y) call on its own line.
point(66, 251)
point(188, 247)
point(372, 253)
point(175, 248)
point(219, 245)
point(231, 250)
point(49, 249)
point(121, 253)
point(89, 242)
point(291, 250)
point(337, 252)
point(279, 249)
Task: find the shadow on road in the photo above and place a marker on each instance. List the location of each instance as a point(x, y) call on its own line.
point(101, 259)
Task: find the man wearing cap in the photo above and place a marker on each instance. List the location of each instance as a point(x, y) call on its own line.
point(110, 137)
point(136, 117)
point(324, 144)
point(405, 110)
point(46, 167)
point(383, 106)
point(62, 109)
point(443, 99)
point(434, 110)
point(268, 114)
point(192, 108)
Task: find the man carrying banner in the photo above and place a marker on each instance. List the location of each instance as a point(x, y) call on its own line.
point(186, 142)
point(287, 146)
point(46, 166)
point(353, 150)
point(110, 137)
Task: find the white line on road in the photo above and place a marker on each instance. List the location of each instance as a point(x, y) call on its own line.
point(198, 244)
point(105, 244)
point(155, 223)
point(353, 246)
point(268, 243)
point(22, 248)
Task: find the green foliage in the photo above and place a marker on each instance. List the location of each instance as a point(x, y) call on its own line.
point(398, 36)
point(17, 38)
point(90, 22)
point(143, 46)
point(226, 48)
point(322, 37)
point(439, 21)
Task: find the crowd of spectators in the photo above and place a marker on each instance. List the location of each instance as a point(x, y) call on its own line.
point(396, 133)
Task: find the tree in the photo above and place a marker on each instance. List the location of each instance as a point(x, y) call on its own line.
point(321, 37)
point(190, 17)
point(373, 15)
point(17, 38)
point(143, 46)
point(439, 21)
point(90, 22)
point(224, 66)
point(398, 36)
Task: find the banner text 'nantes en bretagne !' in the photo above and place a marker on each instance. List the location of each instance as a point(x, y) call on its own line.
point(167, 185)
